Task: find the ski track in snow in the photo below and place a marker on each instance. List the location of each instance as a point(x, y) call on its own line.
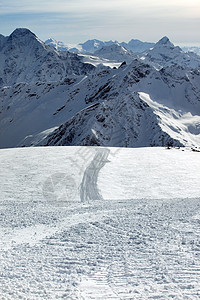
point(89, 190)
point(104, 249)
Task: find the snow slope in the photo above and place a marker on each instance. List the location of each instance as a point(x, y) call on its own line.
point(99, 61)
point(99, 223)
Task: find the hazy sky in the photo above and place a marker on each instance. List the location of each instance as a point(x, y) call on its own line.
point(75, 21)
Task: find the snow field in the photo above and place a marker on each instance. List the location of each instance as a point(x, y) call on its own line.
point(139, 240)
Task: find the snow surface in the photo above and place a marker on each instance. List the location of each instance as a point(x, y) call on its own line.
point(99, 223)
point(98, 61)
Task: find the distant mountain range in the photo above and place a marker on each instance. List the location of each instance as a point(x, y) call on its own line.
point(194, 49)
point(90, 46)
point(110, 97)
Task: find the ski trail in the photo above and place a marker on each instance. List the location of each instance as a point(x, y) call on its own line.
point(89, 189)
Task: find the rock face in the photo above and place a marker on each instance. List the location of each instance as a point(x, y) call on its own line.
point(52, 98)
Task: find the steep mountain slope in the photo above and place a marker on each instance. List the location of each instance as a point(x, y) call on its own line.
point(126, 122)
point(164, 53)
point(133, 105)
point(24, 58)
point(137, 106)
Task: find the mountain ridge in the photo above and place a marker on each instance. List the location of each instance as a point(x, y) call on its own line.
point(90, 46)
point(134, 45)
point(151, 100)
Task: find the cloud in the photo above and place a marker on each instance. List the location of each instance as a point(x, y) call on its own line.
point(83, 6)
point(68, 6)
point(76, 20)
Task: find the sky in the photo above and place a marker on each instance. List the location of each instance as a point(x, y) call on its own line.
point(74, 21)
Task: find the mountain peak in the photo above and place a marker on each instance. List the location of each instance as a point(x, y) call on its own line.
point(22, 37)
point(164, 41)
point(50, 40)
point(19, 32)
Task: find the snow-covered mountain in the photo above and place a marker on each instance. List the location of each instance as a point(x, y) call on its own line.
point(58, 45)
point(164, 53)
point(90, 46)
point(136, 106)
point(24, 58)
point(133, 105)
point(194, 49)
point(115, 52)
point(137, 46)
